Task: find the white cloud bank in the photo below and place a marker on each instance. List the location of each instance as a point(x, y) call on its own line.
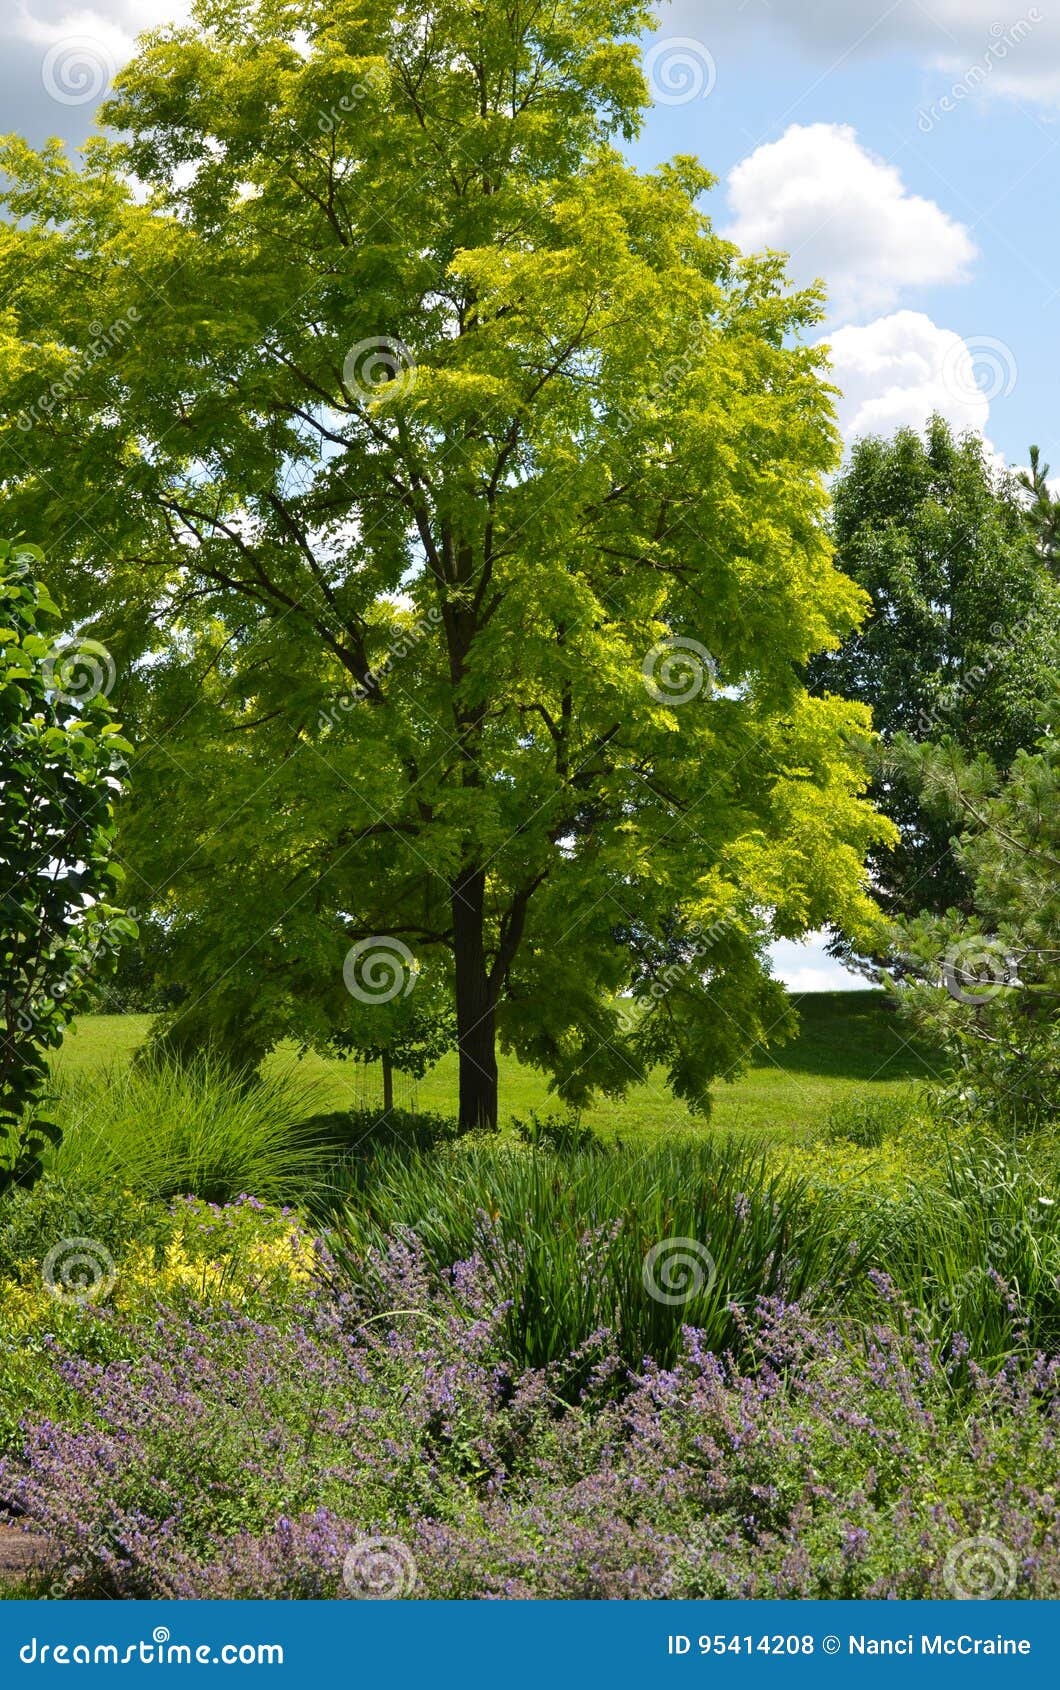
point(115, 23)
point(1016, 49)
point(845, 216)
point(805, 966)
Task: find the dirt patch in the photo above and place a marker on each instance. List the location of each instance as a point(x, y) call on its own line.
point(21, 1552)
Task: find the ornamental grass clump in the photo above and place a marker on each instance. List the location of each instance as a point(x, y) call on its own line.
point(167, 1129)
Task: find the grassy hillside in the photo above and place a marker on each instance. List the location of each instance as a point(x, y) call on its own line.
point(849, 1042)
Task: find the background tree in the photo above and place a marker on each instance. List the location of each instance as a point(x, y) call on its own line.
point(467, 492)
point(406, 1034)
point(959, 641)
point(1043, 510)
point(61, 763)
point(988, 981)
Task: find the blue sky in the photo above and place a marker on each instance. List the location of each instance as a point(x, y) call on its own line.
point(987, 166)
point(907, 154)
point(905, 151)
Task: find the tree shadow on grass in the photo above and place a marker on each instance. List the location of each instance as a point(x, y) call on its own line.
point(855, 1036)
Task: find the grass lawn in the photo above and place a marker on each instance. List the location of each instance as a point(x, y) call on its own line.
point(849, 1042)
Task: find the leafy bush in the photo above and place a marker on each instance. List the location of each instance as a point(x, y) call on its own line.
point(227, 1457)
point(139, 1255)
point(33, 1221)
point(554, 1132)
point(61, 763)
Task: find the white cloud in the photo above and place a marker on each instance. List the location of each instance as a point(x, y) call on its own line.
point(805, 966)
point(1017, 48)
point(846, 216)
point(58, 59)
point(114, 22)
point(900, 369)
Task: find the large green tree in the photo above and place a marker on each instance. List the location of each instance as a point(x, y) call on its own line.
point(960, 639)
point(466, 492)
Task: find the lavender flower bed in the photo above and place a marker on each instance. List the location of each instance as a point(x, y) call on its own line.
point(338, 1451)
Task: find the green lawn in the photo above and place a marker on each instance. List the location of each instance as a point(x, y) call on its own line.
point(850, 1042)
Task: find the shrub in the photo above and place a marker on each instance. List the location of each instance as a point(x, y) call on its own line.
point(570, 1239)
point(227, 1457)
point(61, 765)
point(134, 1254)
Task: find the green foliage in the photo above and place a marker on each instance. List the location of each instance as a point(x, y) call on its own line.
point(565, 1234)
point(1043, 513)
point(410, 1033)
point(981, 1256)
point(73, 1205)
point(153, 1255)
point(479, 430)
point(61, 763)
point(554, 1132)
point(970, 1241)
point(960, 637)
point(868, 1120)
point(987, 983)
point(163, 1130)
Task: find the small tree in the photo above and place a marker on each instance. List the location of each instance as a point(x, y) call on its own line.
point(61, 764)
point(406, 1034)
point(1043, 509)
point(987, 982)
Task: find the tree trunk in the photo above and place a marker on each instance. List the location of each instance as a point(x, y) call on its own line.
point(475, 1004)
point(388, 1085)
